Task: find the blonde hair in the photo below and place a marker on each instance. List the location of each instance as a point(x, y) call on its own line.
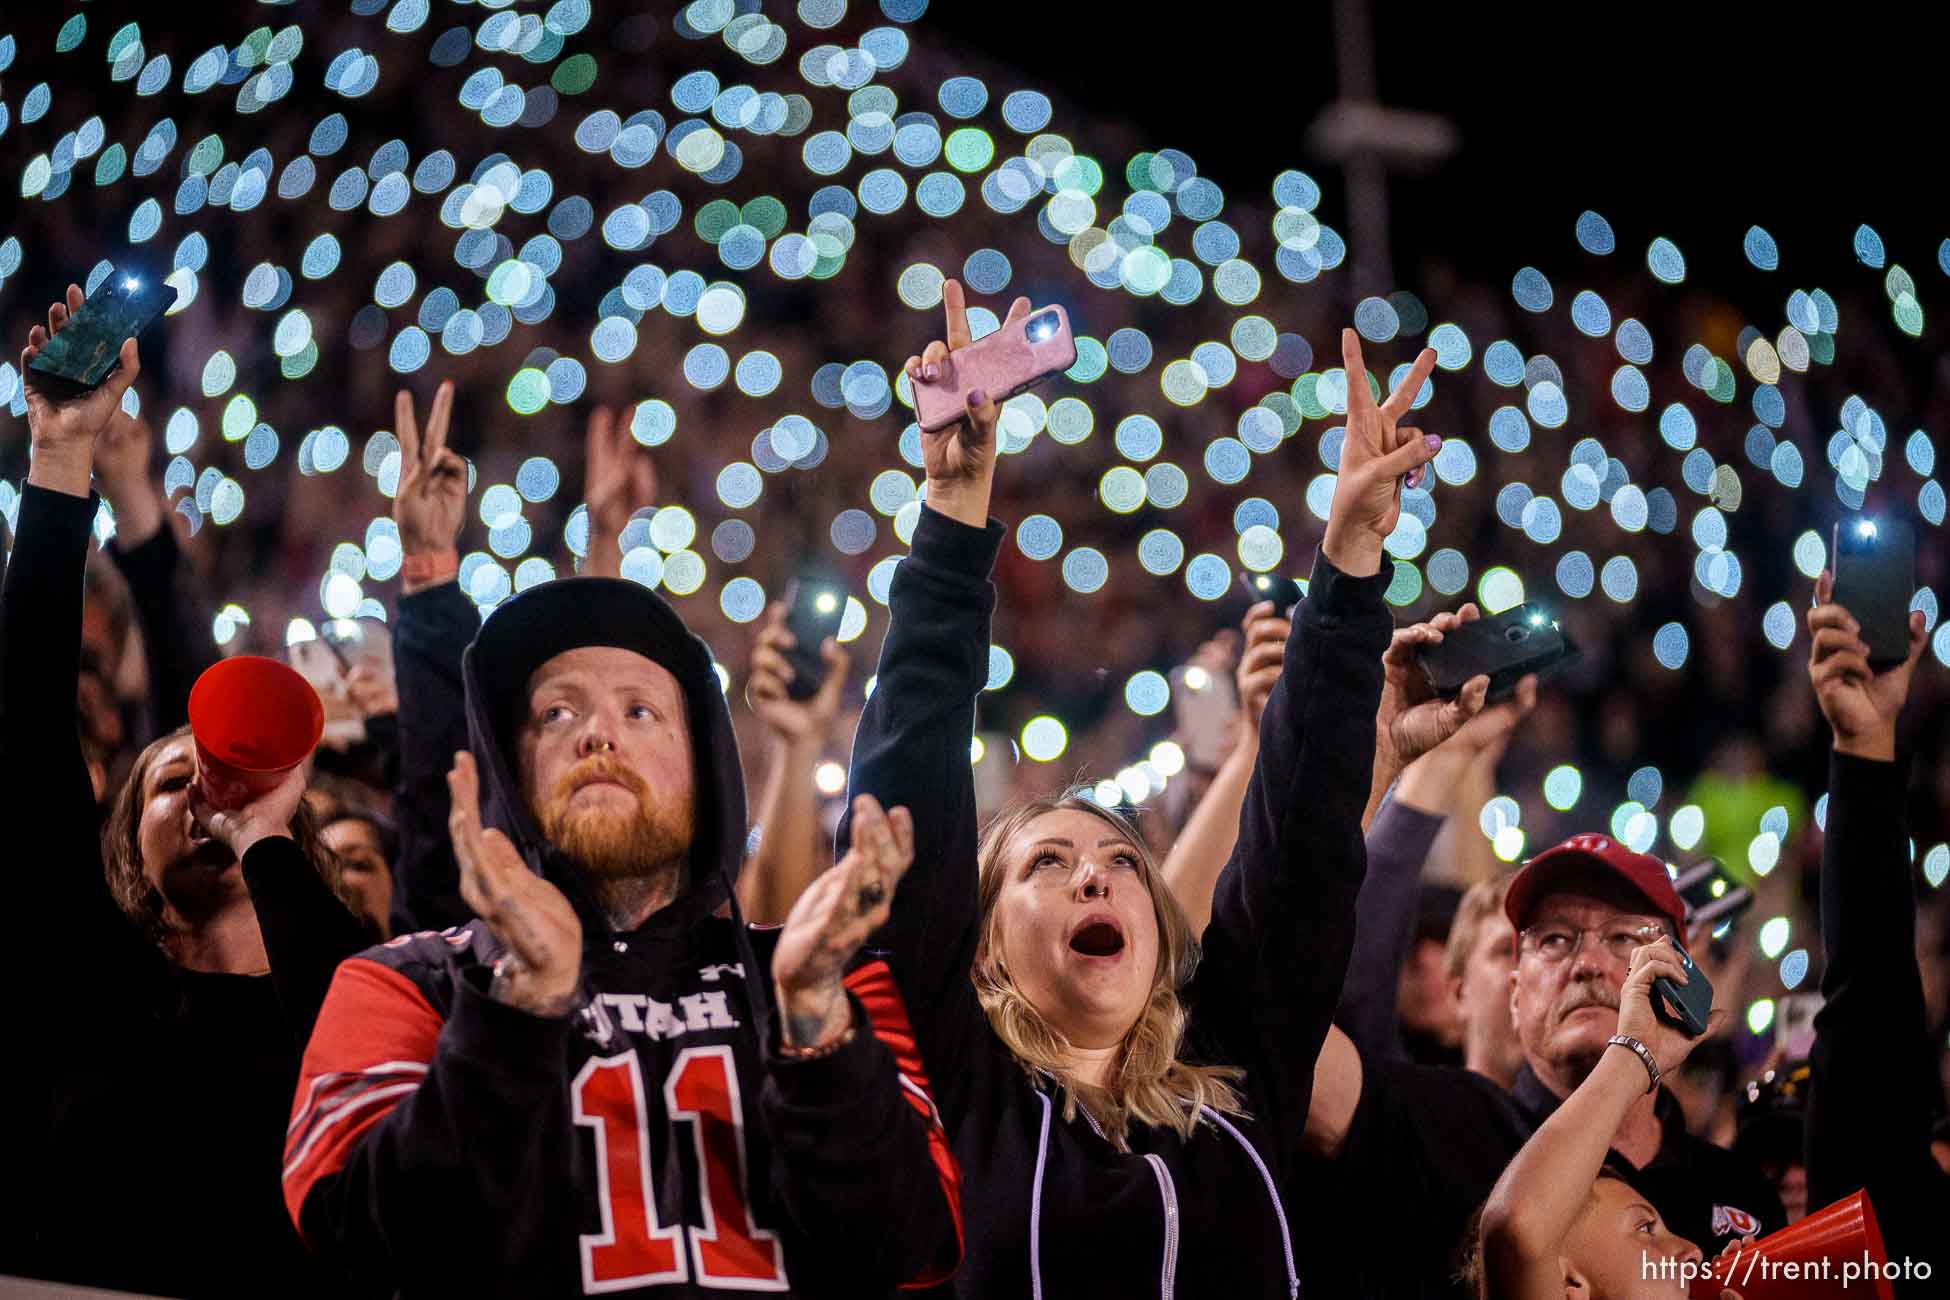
point(1150, 1085)
point(1483, 901)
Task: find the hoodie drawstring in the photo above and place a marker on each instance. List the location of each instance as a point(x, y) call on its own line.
point(1273, 1191)
point(1036, 1206)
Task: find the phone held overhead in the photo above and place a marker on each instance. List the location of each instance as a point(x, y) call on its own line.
point(1007, 361)
point(814, 609)
point(1875, 580)
point(88, 348)
point(1506, 647)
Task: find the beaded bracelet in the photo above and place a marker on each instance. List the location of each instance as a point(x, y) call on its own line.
point(814, 1053)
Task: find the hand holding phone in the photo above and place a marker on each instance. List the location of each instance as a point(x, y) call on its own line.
point(1666, 1001)
point(1283, 591)
point(1875, 578)
point(85, 345)
point(813, 613)
point(1025, 350)
point(65, 417)
point(1686, 1007)
point(1507, 647)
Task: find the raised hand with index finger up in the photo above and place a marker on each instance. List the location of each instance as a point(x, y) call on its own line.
point(431, 502)
point(1376, 455)
point(960, 459)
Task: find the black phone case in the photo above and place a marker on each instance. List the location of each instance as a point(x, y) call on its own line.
point(1687, 1007)
point(809, 629)
point(1709, 904)
point(1283, 591)
point(1875, 579)
point(1507, 646)
point(87, 350)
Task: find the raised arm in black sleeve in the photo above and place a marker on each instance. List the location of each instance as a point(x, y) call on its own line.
point(1276, 950)
point(175, 642)
point(433, 632)
point(912, 751)
point(1874, 1087)
point(307, 931)
point(57, 891)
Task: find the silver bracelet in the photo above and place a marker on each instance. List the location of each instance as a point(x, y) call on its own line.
point(1644, 1055)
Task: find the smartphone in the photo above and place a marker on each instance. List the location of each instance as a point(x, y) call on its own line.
point(1686, 1006)
point(1507, 646)
point(1283, 591)
point(88, 348)
point(1875, 579)
point(1203, 703)
point(1001, 364)
point(1712, 896)
point(813, 612)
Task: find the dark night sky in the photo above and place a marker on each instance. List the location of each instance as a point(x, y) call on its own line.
point(1688, 120)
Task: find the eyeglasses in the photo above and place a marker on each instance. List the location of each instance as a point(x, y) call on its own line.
point(1556, 942)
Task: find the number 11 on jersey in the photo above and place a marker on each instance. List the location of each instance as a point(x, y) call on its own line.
point(633, 1249)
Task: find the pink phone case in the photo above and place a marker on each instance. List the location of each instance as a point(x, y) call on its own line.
point(1001, 364)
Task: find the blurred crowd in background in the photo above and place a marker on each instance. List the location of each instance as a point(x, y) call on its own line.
point(1708, 743)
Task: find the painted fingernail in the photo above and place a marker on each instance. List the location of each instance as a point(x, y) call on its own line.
point(977, 397)
point(933, 373)
point(1434, 441)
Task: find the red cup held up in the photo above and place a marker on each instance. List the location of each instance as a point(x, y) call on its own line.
point(1834, 1252)
point(253, 720)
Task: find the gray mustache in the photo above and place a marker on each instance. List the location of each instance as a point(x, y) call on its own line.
point(1587, 995)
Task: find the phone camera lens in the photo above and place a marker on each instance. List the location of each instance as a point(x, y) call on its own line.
point(1517, 634)
point(1042, 327)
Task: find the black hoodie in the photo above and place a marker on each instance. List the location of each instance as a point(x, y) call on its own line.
point(444, 1143)
point(1053, 1208)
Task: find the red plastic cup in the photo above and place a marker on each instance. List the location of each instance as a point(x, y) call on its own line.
point(1836, 1252)
point(253, 720)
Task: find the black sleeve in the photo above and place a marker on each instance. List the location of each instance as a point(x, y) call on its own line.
point(307, 931)
point(1874, 1088)
point(912, 751)
point(409, 1135)
point(175, 642)
point(57, 890)
point(1276, 949)
point(434, 629)
point(1384, 923)
point(856, 1171)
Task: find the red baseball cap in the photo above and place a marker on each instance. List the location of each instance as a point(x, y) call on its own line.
point(1643, 872)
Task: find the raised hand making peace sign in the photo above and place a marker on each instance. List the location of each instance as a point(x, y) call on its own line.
point(431, 502)
point(960, 459)
point(1375, 456)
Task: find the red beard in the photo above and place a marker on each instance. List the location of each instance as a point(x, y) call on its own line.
point(615, 845)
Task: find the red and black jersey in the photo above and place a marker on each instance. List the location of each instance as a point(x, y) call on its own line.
point(442, 1143)
point(439, 1139)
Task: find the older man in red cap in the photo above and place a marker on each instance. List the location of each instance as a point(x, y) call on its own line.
point(1413, 1150)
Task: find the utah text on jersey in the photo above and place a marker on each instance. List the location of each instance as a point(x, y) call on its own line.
point(663, 1161)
